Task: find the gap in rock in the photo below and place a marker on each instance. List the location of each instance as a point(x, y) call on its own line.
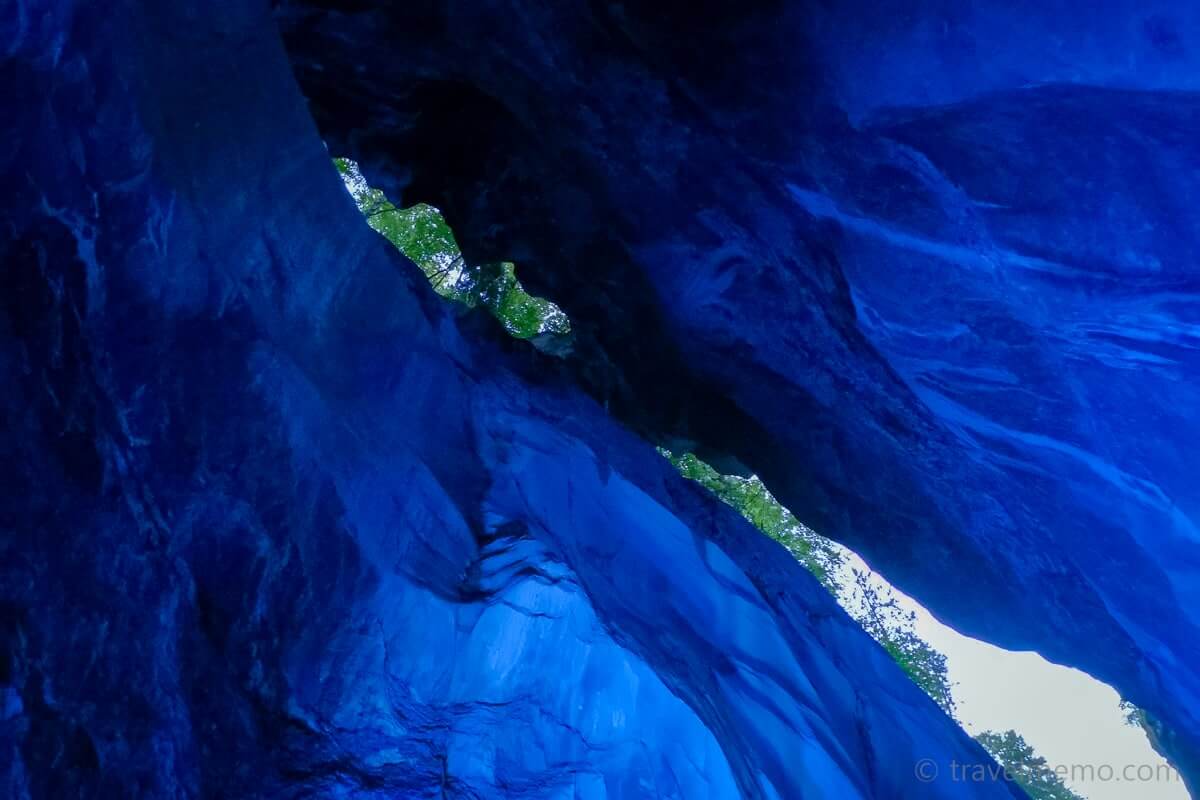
point(1058, 732)
point(421, 233)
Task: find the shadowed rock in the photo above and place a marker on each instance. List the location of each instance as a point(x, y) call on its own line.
point(958, 337)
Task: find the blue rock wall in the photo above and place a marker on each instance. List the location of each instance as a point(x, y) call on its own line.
point(277, 524)
point(927, 268)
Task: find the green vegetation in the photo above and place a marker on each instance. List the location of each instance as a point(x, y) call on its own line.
point(421, 233)
point(1025, 767)
point(874, 606)
point(879, 612)
point(750, 497)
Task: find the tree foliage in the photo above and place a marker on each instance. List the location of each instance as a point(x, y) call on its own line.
point(421, 233)
point(752, 499)
point(879, 612)
point(875, 607)
point(1025, 767)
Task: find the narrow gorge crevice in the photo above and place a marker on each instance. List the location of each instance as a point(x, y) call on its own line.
point(283, 518)
point(942, 409)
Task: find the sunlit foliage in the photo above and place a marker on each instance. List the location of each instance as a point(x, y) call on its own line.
point(422, 234)
point(752, 499)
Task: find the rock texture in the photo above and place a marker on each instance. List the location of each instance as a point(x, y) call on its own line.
point(277, 524)
point(928, 268)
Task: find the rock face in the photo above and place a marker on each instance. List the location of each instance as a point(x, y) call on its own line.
point(933, 279)
point(277, 524)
